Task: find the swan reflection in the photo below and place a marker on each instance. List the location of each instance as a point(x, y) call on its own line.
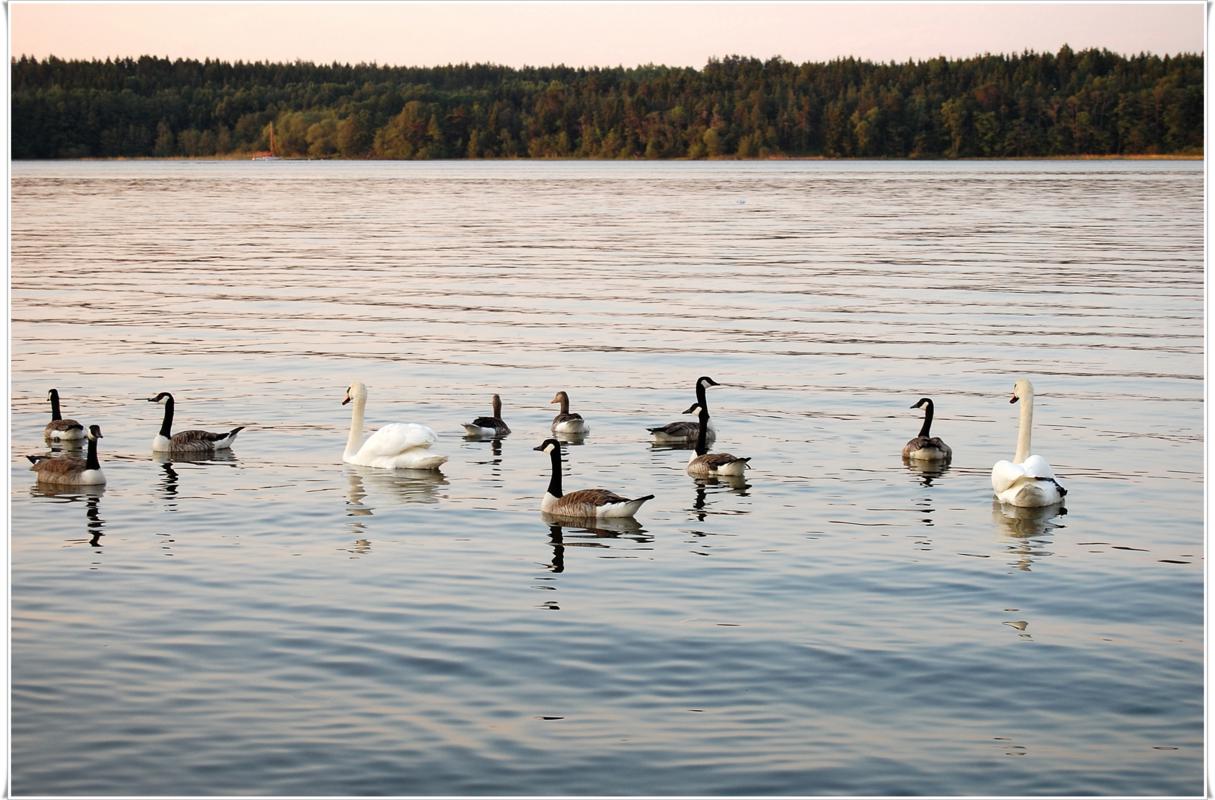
point(1029, 527)
point(576, 532)
point(391, 485)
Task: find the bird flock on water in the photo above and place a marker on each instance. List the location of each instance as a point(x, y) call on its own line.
point(1025, 481)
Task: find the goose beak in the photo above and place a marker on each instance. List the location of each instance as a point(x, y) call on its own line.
point(538, 447)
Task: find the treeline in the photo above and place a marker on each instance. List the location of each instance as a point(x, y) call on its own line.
point(1091, 102)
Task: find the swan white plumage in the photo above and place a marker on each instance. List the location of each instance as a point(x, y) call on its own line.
point(1027, 480)
point(397, 445)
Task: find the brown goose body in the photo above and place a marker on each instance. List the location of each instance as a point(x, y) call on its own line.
point(584, 503)
point(566, 422)
point(489, 426)
point(191, 441)
point(69, 470)
point(702, 463)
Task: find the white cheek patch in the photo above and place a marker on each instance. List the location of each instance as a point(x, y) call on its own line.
point(548, 448)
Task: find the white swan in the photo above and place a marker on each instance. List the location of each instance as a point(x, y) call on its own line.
point(398, 445)
point(1027, 480)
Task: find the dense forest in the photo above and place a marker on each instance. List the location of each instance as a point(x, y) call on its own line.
point(1091, 102)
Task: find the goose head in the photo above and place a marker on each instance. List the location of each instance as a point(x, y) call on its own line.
point(548, 446)
point(1021, 389)
point(706, 381)
point(95, 432)
point(697, 409)
point(355, 391)
point(52, 395)
point(923, 401)
point(163, 397)
point(559, 397)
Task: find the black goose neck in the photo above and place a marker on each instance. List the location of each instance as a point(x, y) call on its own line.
point(924, 429)
point(90, 461)
point(55, 415)
point(167, 425)
point(702, 435)
point(554, 482)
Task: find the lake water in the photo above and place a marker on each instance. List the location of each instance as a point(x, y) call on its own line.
point(280, 623)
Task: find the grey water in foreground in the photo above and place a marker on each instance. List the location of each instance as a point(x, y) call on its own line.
point(276, 622)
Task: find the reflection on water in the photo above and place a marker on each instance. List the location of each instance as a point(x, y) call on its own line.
point(368, 487)
point(91, 495)
point(1031, 528)
point(926, 471)
point(592, 532)
point(717, 484)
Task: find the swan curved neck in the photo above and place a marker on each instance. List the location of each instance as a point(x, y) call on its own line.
point(554, 482)
point(927, 426)
point(166, 425)
point(1025, 428)
point(356, 425)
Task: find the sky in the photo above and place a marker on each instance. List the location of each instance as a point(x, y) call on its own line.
point(592, 33)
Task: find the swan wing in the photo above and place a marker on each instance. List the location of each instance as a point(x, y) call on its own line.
point(1036, 467)
point(1005, 474)
point(395, 438)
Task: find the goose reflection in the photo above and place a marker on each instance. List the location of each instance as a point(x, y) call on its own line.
point(1029, 527)
point(926, 471)
point(389, 485)
point(718, 483)
point(591, 532)
point(94, 525)
point(171, 479)
point(570, 438)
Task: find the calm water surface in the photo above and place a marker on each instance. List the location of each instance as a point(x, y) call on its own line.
point(279, 623)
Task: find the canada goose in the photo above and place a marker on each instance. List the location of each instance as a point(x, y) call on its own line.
point(925, 447)
point(1027, 480)
point(60, 429)
point(192, 441)
point(585, 503)
point(488, 426)
point(565, 422)
point(69, 470)
point(703, 463)
point(397, 445)
point(676, 432)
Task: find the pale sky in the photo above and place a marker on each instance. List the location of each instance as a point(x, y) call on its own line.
point(592, 33)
